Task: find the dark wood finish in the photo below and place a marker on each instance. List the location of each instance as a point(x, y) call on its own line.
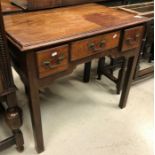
point(8, 142)
point(147, 72)
point(107, 70)
point(33, 94)
point(7, 93)
point(128, 80)
point(121, 76)
point(1, 84)
point(34, 34)
point(87, 69)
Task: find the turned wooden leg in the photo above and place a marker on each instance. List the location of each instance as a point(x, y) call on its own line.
point(13, 117)
point(112, 63)
point(19, 140)
point(87, 69)
point(34, 102)
point(101, 64)
point(121, 76)
point(131, 66)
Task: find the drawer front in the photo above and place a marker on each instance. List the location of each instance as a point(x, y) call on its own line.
point(52, 60)
point(87, 47)
point(132, 38)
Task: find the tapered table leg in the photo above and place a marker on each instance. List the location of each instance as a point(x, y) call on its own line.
point(131, 66)
point(34, 103)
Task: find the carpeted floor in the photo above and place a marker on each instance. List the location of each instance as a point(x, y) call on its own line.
point(84, 119)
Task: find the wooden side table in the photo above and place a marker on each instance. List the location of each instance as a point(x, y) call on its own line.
point(46, 45)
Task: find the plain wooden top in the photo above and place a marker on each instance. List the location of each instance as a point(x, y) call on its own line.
point(38, 29)
point(8, 7)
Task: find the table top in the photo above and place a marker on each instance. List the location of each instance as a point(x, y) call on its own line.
point(8, 7)
point(43, 28)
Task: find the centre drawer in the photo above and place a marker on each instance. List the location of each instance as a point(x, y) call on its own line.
point(87, 47)
point(52, 60)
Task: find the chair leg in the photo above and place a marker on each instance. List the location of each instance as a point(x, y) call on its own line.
point(19, 140)
point(112, 63)
point(101, 64)
point(121, 76)
point(87, 69)
point(151, 58)
point(26, 89)
point(13, 117)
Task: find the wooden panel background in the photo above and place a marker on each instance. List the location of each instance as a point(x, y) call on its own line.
point(38, 4)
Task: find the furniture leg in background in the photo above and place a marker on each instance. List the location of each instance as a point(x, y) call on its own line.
point(8, 101)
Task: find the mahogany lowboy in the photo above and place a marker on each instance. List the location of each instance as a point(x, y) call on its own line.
point(46, 45)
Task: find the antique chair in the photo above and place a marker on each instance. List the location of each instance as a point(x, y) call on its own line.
point(8, 102)
point(147, 52)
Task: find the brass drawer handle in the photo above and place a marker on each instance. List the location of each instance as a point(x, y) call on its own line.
point(92, 47)
point(47, 63)
point(102, 43)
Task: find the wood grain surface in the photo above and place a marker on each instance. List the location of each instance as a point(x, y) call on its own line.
point(42, 28)
point(52, 55)
point(83, 48)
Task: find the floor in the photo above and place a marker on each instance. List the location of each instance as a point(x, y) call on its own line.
point(84, 119)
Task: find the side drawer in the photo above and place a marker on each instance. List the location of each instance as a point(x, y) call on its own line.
point(87, 47)
point(132, 38)
point(52, 60)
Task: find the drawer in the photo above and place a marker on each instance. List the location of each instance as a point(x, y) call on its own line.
point(87, 47)
point(132, 38)
point(52, 60)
